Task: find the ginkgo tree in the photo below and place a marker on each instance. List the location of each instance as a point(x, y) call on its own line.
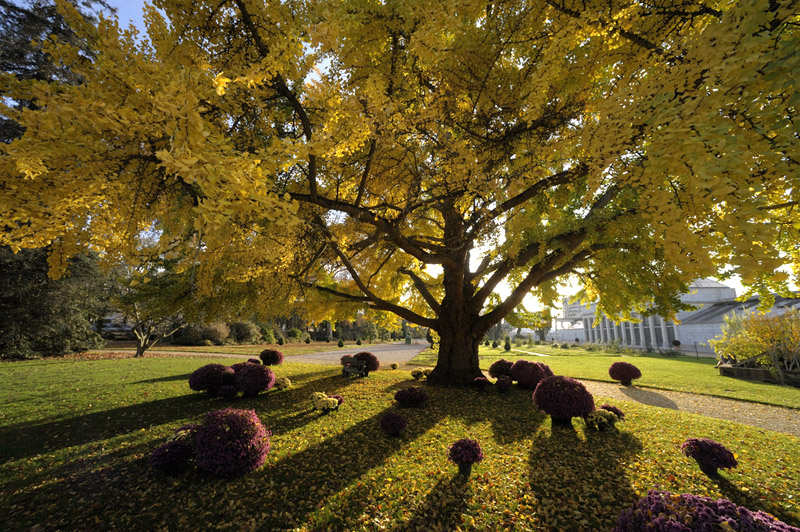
point(413, 156)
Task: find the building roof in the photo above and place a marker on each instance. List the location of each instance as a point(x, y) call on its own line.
point(707, 283)
point(714, 313)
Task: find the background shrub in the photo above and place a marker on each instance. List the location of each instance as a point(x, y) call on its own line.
point(413, 397)
point(624, 372)
point(281, 383)
point(528, 374)
point(614, 410)
point(271, 357)
point(216, 332)
point(563, 398)
point(500, 367)
point(253, 379)
point(373, 364)
point(254, 360)
point(662, 510)
point(231, 442)
point(188, 335)
point(245, 332)
point(210, 377)
point(602, 420)
point(417, 374)
point(392, 423)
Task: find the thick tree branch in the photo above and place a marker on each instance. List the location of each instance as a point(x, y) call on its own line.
point(280, 86)
point(365, 174)
point(422, 288)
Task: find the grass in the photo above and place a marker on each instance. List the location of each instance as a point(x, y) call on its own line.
point(679, 373)
point(75, 437)
point(287, 349)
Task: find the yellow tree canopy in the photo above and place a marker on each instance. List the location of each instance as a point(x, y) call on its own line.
point(411, 155)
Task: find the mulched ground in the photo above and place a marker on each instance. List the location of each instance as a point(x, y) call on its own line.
point(767, 417)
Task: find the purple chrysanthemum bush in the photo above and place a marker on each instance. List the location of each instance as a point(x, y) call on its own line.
point(392, 423)
point(229, 443)
point(412, 397)
point(223, 381)
point(624, 372)
point(503, 383)
point(500, 367)
point(669, 512)
point(709, 455)
point(563, 398)
point(480, 383)
point(465, 451)
point(373, 364)
point(271, 357)
point(528, 374)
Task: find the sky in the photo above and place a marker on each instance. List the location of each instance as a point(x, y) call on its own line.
point(129, 10)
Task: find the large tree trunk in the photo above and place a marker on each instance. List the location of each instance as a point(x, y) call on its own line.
point(457, 364)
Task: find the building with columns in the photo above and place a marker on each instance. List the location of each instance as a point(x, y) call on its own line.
point(713, 299)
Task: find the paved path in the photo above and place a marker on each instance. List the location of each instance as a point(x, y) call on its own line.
point(386, 353)
point(756, 415)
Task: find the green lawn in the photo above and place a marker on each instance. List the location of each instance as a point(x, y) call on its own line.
point(680, 373)
point(75, 437)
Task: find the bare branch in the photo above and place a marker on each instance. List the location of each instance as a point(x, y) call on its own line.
point(422, 288)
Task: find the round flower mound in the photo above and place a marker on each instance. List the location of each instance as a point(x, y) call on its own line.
point(614, 410)
point(709, 454)
point(210, 377)
point(254, 361)
point(231, 442)
point(271, 357)
point(563, 398)
point(665, 511)
point(465, 451)
point(238, 366)
point(373, 364)
point(321, 401)
point(480, 383)
point(601, 420)
point(171, 455)
point(392, 423)
point(417, 374)
point(227, 391)
point(624, 372)
point(412, 397)
point(503, 383)
point(339, 398)
point(282, 383)
point(252, 379)
point(528, 374)
point(500, 367)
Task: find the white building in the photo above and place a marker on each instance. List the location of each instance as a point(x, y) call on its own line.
point(695, 329)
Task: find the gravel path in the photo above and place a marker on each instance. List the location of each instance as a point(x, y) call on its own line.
point(757, 415)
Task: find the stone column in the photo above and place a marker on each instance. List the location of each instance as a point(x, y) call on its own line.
point(664, 337)
point(652, 331)
point(641, 333)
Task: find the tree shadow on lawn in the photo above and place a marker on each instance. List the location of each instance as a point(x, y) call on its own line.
point(32, 438)
point(170, 378)
point(442, 507)
point(648, 397)
point(752, 502)
point(581, 483)
point(511, 414)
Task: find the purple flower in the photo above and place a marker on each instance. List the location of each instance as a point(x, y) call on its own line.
point(665, 511)
point(254, 361)
point(624, 372)
point(480, 383)
point(614, 410)
point(500, 367)
point(373, 364)
point(171, 456)
point(563, 398)
point(503, 383)
point(252, 379)
point(271, 357)
point(412, 397)
point(392, 423)
point(465, 451)
point(528, 374)
point(709, 454)
point(338, 398)
point(231, 442)
point(210, 377)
